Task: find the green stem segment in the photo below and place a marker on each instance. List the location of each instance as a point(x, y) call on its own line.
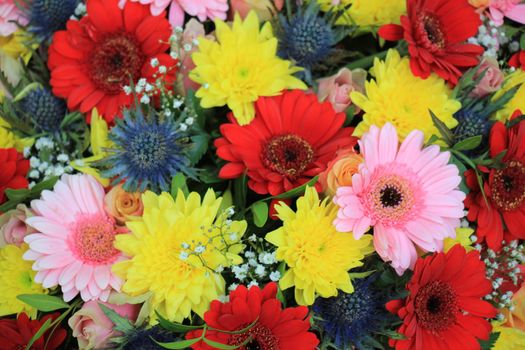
point(368, 61)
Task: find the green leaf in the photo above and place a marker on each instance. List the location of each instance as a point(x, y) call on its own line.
point(178, 182)
point(40, 333)
point(462, 168)
point(198, 148)
point(296, 192)
point(174, 327)
point(445, 132)
point(217, 345)
point(43, 302)
point(44, 185)
point(17, 195)
point(122, 324)
point(522, 41)
point(260, 213)
point(181, 344)
point(239, 192)
point(361, 274)
point(26, 91)
point(468, 144)
point(350, 114)
point(489, 344)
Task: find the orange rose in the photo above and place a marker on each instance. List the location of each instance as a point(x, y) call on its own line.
point(479, 3)
point(121, 204)
point(340, 171)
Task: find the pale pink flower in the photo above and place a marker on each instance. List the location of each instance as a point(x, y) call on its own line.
point(407, 193)
point(93, 329)
point(10, 14)
point(202, 9)
point(73, 247)
point(336, 89)
point(13, 228)
point(492, 79)
point(512, 9)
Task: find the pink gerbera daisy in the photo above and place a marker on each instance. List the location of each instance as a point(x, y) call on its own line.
point(73, 247)
point(408, 194)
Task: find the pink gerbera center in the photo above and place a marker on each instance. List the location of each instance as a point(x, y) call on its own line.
point(261, 338)
point(436, 306)
point(391, 199)
point(288, 155)
point(116, 60)
point(429, 27)
point(93, 239)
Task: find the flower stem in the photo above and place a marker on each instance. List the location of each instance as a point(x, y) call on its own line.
point(368, 61)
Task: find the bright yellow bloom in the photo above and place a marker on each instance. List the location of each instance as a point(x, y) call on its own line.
point(16, 277)
point(99, 142)
point(366, 13)
point(241, 66)
point(160, 248)
point(398, 97)
point(462, 237)
point(518, 101)
point(12, 48)
point(509, 338)
point(9, 140)
point(318, 257)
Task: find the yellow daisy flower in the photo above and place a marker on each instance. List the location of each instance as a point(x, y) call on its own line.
point(174, 249)
point(9, 140)
point(318, 257)
point(398, 97)
point(16, 277)
point(12, 48)
point(241, 66)
point(462, 237)
point(367, 13)
point(518, 101)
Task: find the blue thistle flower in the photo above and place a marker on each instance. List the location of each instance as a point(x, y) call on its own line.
point(44, 110)
point(351, 319)
point(471, 123)
point(307, 38)
point(149, 152)
point(48, 16)
point(142, 338)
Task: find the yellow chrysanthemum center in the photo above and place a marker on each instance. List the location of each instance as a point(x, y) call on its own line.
point(318, 257)
point(518, 101)
point(398, 97)
point(241, 66)
point(174, 249)
point(16, 277)
point(366, 13)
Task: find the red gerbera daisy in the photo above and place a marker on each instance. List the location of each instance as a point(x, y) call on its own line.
point(518, 60)
point(291, 140)
point(16, 334)
point(503, 211)
point(274, 328)
point(444, 309)
point(436, 31)
point(96, 57)
point(13, 170)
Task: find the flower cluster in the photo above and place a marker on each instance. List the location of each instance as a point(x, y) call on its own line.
point(262, 174)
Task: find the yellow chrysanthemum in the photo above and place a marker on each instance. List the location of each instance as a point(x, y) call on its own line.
point(9, 140)
point(318, 257)
point(518, 101)
point(367, 13)
point(462, 237)
point(398, 97)
point(509, 338)
point(160, 248)
point(99, 142)
point(12, 48)
point(241, 66)
point(16, 277)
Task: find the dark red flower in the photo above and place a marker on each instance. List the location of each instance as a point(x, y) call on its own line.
point(502, 212)
point(13, 171)
point(16, 334)
point(518, 60)
point(436, 31)
point(96, 57)
point(291, 140)
point(274, 328)
point(444, 309)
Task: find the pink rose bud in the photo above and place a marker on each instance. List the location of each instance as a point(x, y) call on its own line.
point(265, 9)
point(336, 89)
point(93, 329)
point(492, 79)
point(13, 228)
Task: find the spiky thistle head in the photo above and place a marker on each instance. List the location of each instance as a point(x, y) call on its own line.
point(48, 16)
point(44, 110)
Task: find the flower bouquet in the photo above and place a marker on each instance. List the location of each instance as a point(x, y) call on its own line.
point(262, 174)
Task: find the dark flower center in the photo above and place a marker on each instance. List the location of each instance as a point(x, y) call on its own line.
point(391, 196)
point(116, 61)
point(436, 306)
point(430, 31)
point(262, 338)
point(289, 155)
point(508, 186)
point(148, 150)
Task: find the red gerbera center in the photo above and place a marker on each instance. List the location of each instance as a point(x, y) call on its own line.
point(430, 32)
point(436, 306)
point(262, 338)
point(93, 239)
point(117, 60)
point(287, 155)
point(508, 186)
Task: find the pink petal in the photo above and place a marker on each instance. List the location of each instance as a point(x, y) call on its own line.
point(517, 13)
point(102, 275)
point(69, 273)
point(83, 277)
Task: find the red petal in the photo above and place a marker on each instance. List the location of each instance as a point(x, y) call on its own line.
point(391, 32)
